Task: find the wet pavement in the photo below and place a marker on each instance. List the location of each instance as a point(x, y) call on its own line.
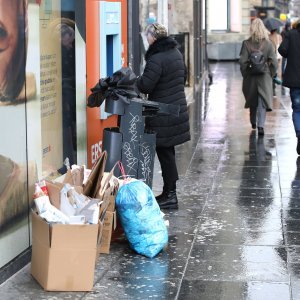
point(236, 234)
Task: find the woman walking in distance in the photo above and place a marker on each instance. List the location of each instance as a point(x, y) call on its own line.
point(257, 88)
point(163, 80)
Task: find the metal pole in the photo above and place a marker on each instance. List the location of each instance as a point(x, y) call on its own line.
point(200, 25)
point(162, 12)
point(210, 76)
point(196, 42)
point(134, 47)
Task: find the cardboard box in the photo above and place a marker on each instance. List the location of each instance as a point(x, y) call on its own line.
point(104, 205)
point(64, 256)
point(109, 224)
point(108, 194)
point(108, 190)
point(112, 202)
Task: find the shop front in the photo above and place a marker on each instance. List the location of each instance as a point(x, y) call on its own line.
point(51, 53)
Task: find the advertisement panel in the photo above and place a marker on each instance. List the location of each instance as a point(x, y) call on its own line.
point(50, 98)
point(42, 120)
point(37, 72)
point(14, 236)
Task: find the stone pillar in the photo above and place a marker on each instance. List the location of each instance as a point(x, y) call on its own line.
point(162, 12)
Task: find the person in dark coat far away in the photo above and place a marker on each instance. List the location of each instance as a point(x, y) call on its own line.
point(163, 80)
point(289, 49)
point(257, 89)
point(287, 27)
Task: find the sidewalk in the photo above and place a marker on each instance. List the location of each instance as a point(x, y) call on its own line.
point(236, 234)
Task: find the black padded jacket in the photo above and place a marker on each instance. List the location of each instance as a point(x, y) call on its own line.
point(163, 80)
point(289, 49)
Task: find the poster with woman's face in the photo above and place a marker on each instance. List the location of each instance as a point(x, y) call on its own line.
point(37, 107)
point(31, 110)
point(13, 41)
point(13, 156)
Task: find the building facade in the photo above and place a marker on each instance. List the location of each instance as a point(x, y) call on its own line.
point(52, 52)
point(51, 55)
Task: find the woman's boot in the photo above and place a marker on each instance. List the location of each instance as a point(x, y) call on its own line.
point(162, 195)
point(168, 199)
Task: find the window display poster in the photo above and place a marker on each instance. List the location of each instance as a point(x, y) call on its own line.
point(30, 112)
point(50, 86)
point(14, 231)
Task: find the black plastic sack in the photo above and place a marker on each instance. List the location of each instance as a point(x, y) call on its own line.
point(119, 86)
point(99, 93)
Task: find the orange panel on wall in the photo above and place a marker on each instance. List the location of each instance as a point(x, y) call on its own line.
point(95, 126)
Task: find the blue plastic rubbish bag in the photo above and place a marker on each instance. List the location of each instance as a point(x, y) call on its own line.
point(141, 218)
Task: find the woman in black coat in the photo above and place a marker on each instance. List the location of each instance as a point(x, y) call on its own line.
point(289, 49)
point(163, 80)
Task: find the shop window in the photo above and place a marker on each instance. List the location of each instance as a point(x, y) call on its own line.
point(57, 90)
point(37, 107)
